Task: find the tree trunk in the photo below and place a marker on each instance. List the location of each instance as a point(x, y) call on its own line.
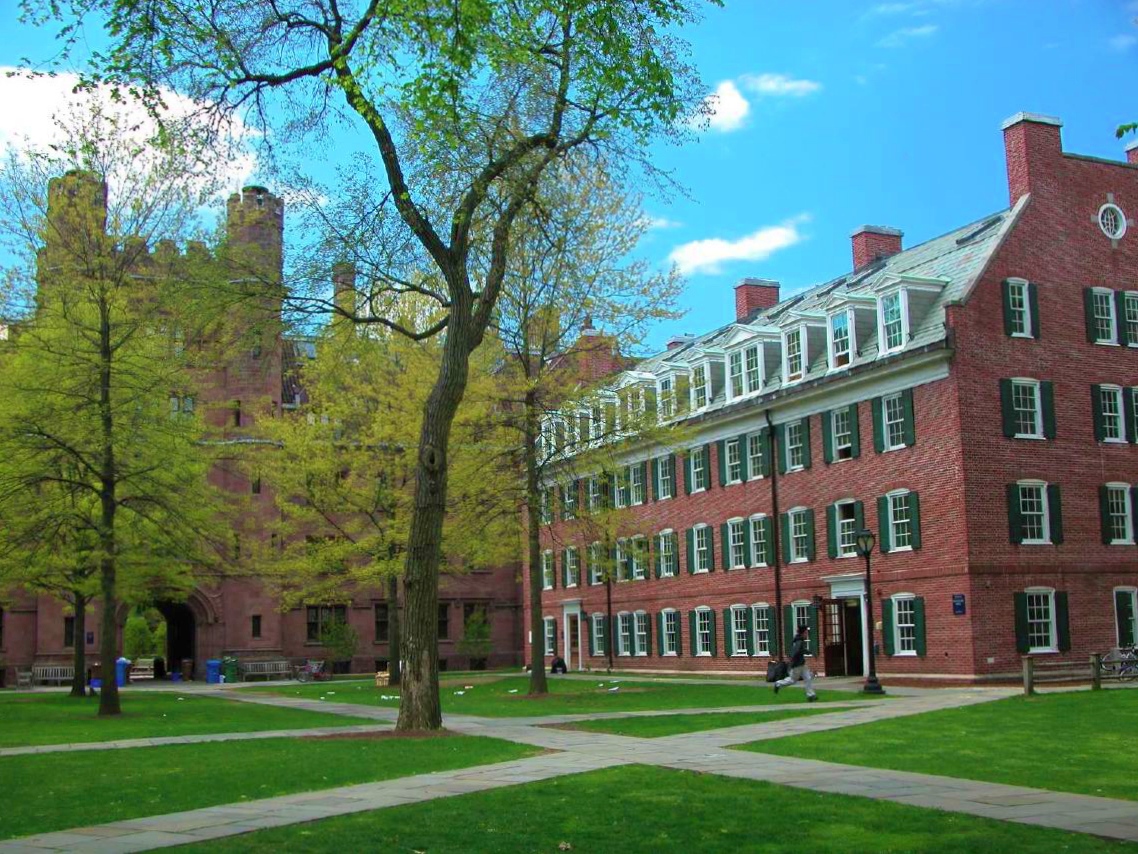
point(419, 704)
point(109, 694)
point(537, 682)
point(393, 664)
point(108, 644)
point(79, 658)
point(611, 630)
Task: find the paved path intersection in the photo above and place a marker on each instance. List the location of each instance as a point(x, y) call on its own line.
point(579, 751)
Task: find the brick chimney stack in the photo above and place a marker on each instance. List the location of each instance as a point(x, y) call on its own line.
point(752, 295)
point(344, 286)
point(1032, 147)
point(871, 242)
point(1132, 152)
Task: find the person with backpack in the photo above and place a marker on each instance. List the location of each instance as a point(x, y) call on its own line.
point(799, 669)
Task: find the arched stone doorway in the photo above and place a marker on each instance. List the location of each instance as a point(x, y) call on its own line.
point(181, 635)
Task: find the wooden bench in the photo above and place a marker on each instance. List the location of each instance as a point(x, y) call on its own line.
point(23, 679)
point(279, 669)
point(382, 679)
point(59, 674)
point(142, 669)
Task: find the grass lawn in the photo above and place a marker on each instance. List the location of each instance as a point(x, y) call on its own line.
point(658, 726)
point(1078, 742)
point(56, 791)
point(493, 697)
point(33, 719)
point(636, 808)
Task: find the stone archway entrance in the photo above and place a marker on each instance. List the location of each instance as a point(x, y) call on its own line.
point(181, 635)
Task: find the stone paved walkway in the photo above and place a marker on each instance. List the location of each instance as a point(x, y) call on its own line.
point(580, 751)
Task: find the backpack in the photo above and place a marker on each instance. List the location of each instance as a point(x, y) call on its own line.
point(776, 670)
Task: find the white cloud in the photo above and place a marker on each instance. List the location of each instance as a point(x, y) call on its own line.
point(894, 8)
point(709, 255)
point(726, 108)
point(1123, 41)
point(660, 222)
point(901, 37)
point(778, 85)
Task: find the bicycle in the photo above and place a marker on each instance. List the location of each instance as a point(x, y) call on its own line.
point(1121, 664)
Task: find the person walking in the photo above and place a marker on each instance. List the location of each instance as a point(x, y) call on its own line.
point(799, 669)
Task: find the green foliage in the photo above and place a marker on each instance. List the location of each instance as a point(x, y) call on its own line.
point(138, 639)
point(1122, 130)
point(475, 635)
point(340, 639)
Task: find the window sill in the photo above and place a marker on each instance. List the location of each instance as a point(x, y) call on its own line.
point(641, 655)
point(1029, 437)
point(909, 654)
point(701, 572)
point(698, 490)
point(1026, 335)
point(624, 655)
point(800, 560)
point(894, 448)
point(760, 566)
point(737, 566)
point(756, 477)
point(1048, 651)
point(570, 586)
point(1108, 343)
point(793, 469)
point(1111, 440)
point(900, 549)
point(703, 655)
point(1035, 543)
point(671, 654)
point(664, 497)
point(737, 480)
point(851, 554)
point(1122, 542)
point(740, 655)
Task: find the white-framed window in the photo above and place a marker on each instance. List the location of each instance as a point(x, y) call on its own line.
point(571, 431)
point(1130, 318)
point(623, 560)
point(698, 468)
point(1042, 635)
point(1126, 615)
point(597, 420)
point(737, 534)
point(740, 630)
point(546, 506)
point(703, 630)
point(640, 627)
point(665, 477)
point(799, 535)
point(755, 452)
point(547, 570)
point(1102, 316)
point(624, 633)
point(622, 496)
point(636, 484)
point(845, 518)
point(735, 381)
point(753, 369)
point(800, 612)
point(900, 521)
point(1118, 515)
point(904, 624)
point(638, 558)
point(1027, 405)
point(594, 559)
point(1112, 221)
point(569, 500)
point(734, 461)
point(1019, 307)
point(598, 629)
point(758, 540)
point(1113, 421)
point(841, 429)
point(893, 412)
point(550, 636)
point(670, 636)
point(666, 550)
point(1034, 522)
point(795, 446)
point(596, 496)
point(795, 357)
point(841, 340)
point(700, 395)
point(572, 567)
point(666, 397)
point(892, 321)
point(760, 617)
point(702, 548)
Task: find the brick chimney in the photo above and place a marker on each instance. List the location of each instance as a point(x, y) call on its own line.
point(344, 286)
point(1032, 147)
point(677, 341)
point(871, 242)
point(1132, 152)
point(752, 295)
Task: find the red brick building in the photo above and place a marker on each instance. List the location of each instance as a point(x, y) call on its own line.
point(970, 400)
point(235, 614)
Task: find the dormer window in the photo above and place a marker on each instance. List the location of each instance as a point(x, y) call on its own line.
point(795, 359)
point(735, 374)
point(744, 371)
point(700, 396)
point(841, 339)
point(597, 420)
point(893, 321)
point(753, 372)
point(667, 397)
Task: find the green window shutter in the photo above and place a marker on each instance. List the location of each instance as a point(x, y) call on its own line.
point(827, 438)
point(915, 519)
point(784, 523)
point(1033, 303)
point(810, 535)
point(750, 631)
point(768, 541)
point(832, 530)
point(744, 459)
point(691, 550)
point(711, 626)
point(1104, 514)
point(1134, 508)
point(1096, 413)
point(887, 626)
point(919, 625)
point(1128, 414)
point(565, 567)
point(553, 580)
point(1007, 408)
point(780, 442)
point(728, 635)
point(910, 417)
point(1062, 621)
point(710, 549)
point(1008, 329)
point(648, 635)
point(1120, 317)
point(659, 560)
point(655, 479)
point(878, 426)
point(883, 526)
point(767, 436)
point(772, 623)
point(721, 453)
point(1089, 314)
point(707, 464)
point(1015, 521)
point(675, 475)
point(659, 632)
point(592, 640)
point(1055, 511)
point(788, 627)
point(855, 433)
point(1047, 399)
point(859, 515)
point(687, 473)
point(724, 539)
point(815, 638)
point(806, 442)
point(1124, 617)
point(1021, 624)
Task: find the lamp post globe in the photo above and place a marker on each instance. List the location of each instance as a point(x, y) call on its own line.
point(865, 541)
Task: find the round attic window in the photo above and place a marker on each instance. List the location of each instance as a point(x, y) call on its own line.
point(1112, 221)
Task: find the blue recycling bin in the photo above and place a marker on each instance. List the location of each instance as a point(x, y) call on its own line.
point(213, 671)
point(121, 665)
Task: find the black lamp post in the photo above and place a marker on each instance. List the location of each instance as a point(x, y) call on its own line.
point(865, 542)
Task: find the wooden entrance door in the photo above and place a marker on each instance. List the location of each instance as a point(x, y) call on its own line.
point(833, 638)
point(573, 647)
point(851, 621)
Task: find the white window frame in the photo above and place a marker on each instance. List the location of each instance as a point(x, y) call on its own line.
point(640, 633)
point(595, 495)
point(759, 617)
point(755, 461)
point(572, 560)
point(597, 423)
point(598, 630)
point(622, 488)
point(700, 391)
point(667, 553)
point(1096, 301)
point(735, 360)
point(800, 616)
point(702, 554)
point(550, 626)
point(792, 372)
point(670, 642)
point(832, 340)
point(623, 628)
point(1021, 312)
point(886, 424)
point(758, 552)
point(1124, 488)
point(1046, 510)
point(638, 558)
point(703, 632)
point(636, 485)
point(699, 453)
point(735, 526)
point(1019, 383)
point(666, 396)
point(899, 640)
point(799, 446)
point(738, 611)
point(569, 507)
point(1113, 392)
point(836, 451)
point(593, 560)
point(846, 547)
point(1053, 629)
point(901, 497)
point(1130, 318)
point(753, 374)
point(729, 446)
point(794, 516)
point(1132, 592)
point(883, 347)
point(548, 570)
point(546, 506)
point(665, 473)
point(623, 554)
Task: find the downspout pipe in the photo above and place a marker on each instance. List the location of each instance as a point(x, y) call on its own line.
point(776, 531)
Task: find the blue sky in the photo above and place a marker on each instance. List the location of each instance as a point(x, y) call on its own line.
point(834, 114)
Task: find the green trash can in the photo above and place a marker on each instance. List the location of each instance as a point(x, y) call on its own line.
point(229, 669)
